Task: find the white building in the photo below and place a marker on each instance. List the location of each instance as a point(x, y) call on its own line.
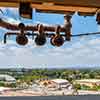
point(56, 83)
point(61, 83)
point(7, 78)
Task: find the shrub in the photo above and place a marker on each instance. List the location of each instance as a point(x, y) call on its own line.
point(2, 84)
point(77, 86)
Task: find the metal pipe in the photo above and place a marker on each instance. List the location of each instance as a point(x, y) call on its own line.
point(33, 28)
point(67, 27)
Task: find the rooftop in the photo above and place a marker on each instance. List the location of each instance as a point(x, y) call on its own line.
point(7, 77)
point(60, 81)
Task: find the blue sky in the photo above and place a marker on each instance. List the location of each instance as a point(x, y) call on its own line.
point(80, 52)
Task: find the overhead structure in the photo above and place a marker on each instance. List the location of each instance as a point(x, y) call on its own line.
point(56, 6)
point(66, 7)
point(42, 32)
point(83, 7)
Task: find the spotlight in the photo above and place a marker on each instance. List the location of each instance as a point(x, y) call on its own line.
point(98, 18)
point(57, 40)
point(41, 37)
point(22, 39)
point(40, 40)
point(25, 10)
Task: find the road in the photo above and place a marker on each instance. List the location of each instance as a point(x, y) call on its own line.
point(93, 97)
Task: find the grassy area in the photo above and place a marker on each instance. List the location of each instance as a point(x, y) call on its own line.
point(84, 87)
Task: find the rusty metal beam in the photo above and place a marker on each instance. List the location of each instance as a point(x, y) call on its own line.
point(81, 3)
point(33, 28)
point(57, 6)
point(62, 9)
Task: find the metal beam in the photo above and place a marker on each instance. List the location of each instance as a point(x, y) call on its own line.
point(83, 3)
point(57, 6)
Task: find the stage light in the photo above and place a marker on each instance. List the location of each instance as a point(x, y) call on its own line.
point(22, 39)
point(40, 39)
point(57, 40)
point(25, 10)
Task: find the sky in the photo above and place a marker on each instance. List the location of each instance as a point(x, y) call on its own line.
point(79, 52)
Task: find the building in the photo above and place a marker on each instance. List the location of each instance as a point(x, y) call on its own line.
point(60, 83)
point(7, 78)
point(89, 82)
point(56, 83)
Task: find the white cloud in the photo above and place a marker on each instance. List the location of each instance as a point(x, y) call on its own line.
point(31, 55)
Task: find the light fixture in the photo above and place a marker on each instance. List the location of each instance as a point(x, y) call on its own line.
point(57, 39)
point(22, 39)
point(40, 39)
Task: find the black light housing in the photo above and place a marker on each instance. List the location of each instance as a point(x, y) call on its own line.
point(57, 40)
point(40, 40)
point(25, 10)
point(22, 39)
